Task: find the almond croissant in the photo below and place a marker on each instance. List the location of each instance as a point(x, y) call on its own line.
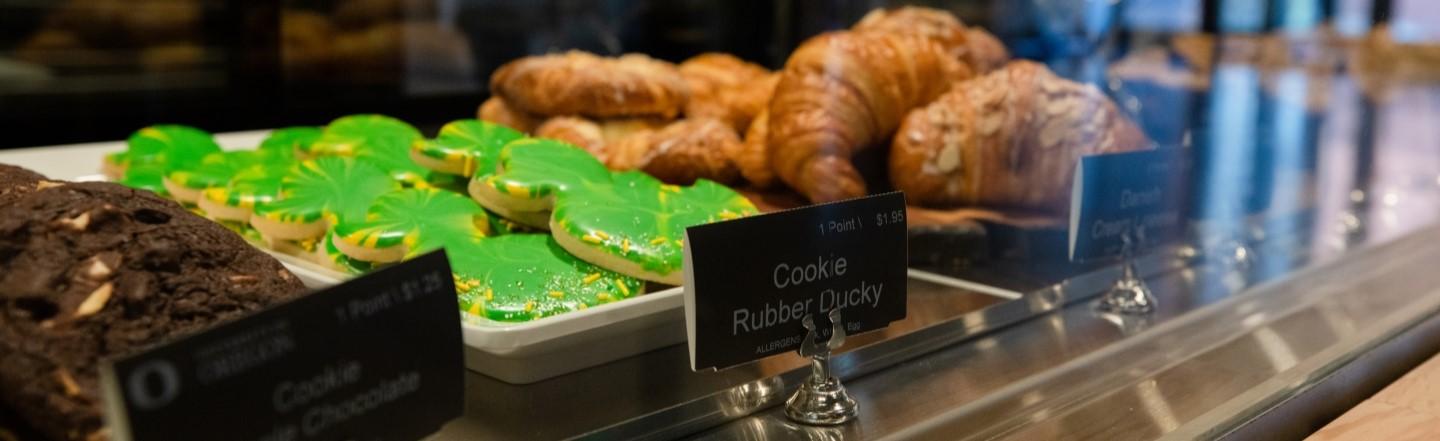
point(1007, 139)
point(980, 50)
point(842, 92)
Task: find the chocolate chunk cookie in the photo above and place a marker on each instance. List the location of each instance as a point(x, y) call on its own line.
point(15, 181)
point(95, 270)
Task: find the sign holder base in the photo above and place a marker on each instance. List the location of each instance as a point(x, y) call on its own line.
point(1130, 294)
point(821, 399)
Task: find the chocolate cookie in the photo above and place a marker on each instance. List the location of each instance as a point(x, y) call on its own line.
point(16, 181)
point(96, 270)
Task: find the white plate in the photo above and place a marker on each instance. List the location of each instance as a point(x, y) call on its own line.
point(512, 352)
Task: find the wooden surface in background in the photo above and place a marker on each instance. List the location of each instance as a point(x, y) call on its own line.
point(1408, 409)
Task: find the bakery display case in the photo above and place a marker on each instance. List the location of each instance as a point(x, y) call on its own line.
point(1124, 220)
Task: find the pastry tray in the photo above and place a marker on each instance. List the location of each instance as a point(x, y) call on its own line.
point(512, 352)
point(528, 352)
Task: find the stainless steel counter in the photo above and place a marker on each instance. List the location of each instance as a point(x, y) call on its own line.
point(1206, 364)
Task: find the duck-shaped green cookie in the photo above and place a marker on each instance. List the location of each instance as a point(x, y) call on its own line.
point(531, 172)
point(296, 140)
point(318, 194)
point(152, 152)
point(464, 147)
point(249, 188)
point(522, 277)
point(381, 140)
point(405, 223)
point(185, 184)
point(628, 222)
point(636, 224)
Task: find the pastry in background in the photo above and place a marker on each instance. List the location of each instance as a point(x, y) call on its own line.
point(680, 153)
point(842, 92)
point(380, 52)
point(939, 26)
point(584, 84)
point(985, 52)
point(372, 52)
point(171, 57)
point(495, 110)
point(102, 34)
point(96, 271)
point(99, 23)
point(150, 22)
point(977, 48)
point(1007, 139)
point(436, 50)
point(753, 158)
point(726, 88)
point(595, 136)
point(50, 47)
point(306, 42)
point(576, 131)
point(360, 14)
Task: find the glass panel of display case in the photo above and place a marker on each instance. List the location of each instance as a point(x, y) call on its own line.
point(1302, 128)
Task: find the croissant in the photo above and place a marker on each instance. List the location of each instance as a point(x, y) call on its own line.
point(753, 159)
point(1007, 139)
point(681, 152)
point(592, 135)
point(727, 88)
point(938, 25)
point(983, 51)
point(842, 92)
point(980, 50)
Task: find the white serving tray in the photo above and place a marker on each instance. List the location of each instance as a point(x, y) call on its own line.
point(528, 352)
point(518, 353)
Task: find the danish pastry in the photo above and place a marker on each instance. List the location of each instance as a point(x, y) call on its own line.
point(681, 152)
point(580, 83)
point(726, 88)
point(497, 111)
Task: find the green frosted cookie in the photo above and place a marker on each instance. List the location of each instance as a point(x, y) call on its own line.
point(318, 194)
point(349, 134)
point(295, 140)
point(500, 225)
point(152, 152)
point(378, 139)
point(408, 222)
point(187, 183)
point(464, 147)
point(145, 173)
point(522, 277)
point(331, 256)
point(247, 189)
point(635, 225)
point(114, 165)
point(531, 172)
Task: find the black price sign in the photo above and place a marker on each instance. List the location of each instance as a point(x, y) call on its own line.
point(749, 282)
point(377, 358)
point(1125, 196)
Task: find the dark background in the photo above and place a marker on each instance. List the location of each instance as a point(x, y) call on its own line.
point(231, 66)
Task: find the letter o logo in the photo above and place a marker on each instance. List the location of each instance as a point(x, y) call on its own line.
point(153, 385)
